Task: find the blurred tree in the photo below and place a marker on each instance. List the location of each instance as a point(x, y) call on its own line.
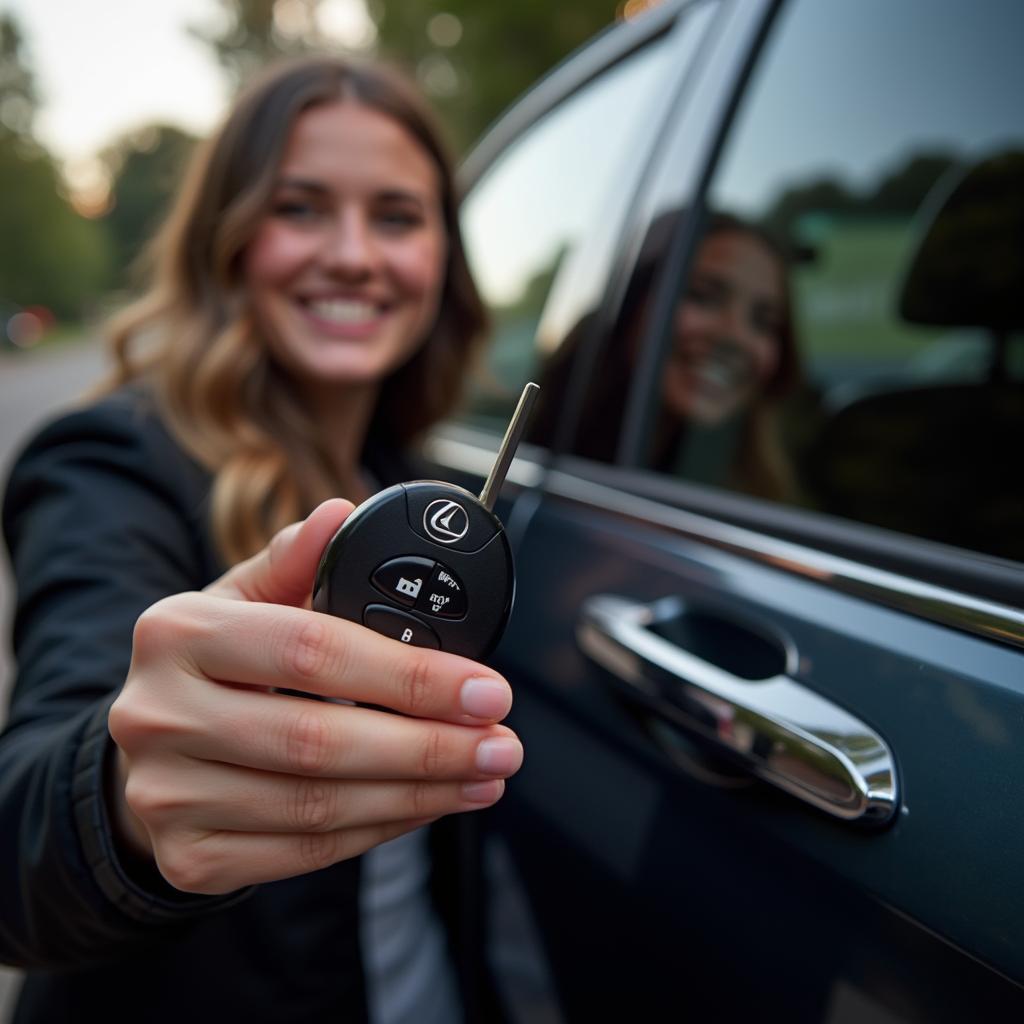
point(19, 99)
point(145, 166)
point(473, 58)
point(254, 32)
point(51, 255)
point(902, 191)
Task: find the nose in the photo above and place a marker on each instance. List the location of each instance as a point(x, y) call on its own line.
point(733, 332)
point(350, 247)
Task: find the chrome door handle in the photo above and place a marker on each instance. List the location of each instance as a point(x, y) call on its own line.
point(783, 732)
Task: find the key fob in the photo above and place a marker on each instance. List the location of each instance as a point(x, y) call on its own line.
point(427, 563)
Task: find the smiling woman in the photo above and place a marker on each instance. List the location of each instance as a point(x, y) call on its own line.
point(346, 272)
point(198, 824)
point(310, 280)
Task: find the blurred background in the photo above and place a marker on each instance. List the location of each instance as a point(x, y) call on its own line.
point(100, 105)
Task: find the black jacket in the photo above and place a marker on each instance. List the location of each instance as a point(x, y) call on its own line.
point(104, 515)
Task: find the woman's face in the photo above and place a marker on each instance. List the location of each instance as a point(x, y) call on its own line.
point(345, 270)
point(727, 329)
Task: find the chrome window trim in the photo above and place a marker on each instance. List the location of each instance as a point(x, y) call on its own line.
point(988, 619)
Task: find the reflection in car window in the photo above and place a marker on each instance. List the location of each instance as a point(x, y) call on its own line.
point(530, 209)
point(886, 179)
point(732, 358)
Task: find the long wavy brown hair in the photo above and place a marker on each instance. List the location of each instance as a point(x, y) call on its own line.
point(193, 339)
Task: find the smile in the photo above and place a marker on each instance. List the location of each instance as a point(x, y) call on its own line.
point(343, 311)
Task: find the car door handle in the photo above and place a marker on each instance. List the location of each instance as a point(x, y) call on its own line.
point(780, 730)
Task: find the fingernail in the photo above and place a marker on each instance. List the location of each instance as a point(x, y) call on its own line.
point(485, 698)
point(499, 755)
point(483, 792)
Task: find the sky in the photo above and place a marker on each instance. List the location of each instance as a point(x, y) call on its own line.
point(105, 67)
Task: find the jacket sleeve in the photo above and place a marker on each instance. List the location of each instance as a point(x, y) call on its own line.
point(101, 520)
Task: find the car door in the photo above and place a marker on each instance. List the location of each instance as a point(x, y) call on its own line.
point(767, 643)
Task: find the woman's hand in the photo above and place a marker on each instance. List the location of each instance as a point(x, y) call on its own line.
point(228, 784)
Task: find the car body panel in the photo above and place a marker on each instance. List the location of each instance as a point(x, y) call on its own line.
point(664, 880)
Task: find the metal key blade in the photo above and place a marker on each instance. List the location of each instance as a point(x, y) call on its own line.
point(509, 444)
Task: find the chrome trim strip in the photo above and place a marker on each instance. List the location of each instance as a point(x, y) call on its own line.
point(468, 457)
point(924, 600)
point(987, 619)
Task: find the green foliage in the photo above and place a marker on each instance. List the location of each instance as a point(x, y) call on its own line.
point(51, 256)
point(473, 67)
point(256, 32)
point(146, 167)
point(472, 57)
point(19, 99)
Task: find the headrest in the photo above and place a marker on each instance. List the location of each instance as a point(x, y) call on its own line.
point(969, 266)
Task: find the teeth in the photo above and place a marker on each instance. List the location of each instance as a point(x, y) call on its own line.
point(717, 373)
point(343, 311)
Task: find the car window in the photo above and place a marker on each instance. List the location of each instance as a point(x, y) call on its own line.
point(524, 218)
point(849, 336)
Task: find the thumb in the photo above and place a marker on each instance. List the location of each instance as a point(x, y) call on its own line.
point(284, 571)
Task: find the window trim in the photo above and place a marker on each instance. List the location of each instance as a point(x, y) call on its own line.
point(662, 26)
point(743, 41)
point(918, 578)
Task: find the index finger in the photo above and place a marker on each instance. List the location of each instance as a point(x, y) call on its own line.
point(296, 649)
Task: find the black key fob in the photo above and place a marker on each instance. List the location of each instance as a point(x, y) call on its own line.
point(427, 563)
point(424, 563)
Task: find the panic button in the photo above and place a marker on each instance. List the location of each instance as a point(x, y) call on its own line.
point(399, 626)
point(443, 595)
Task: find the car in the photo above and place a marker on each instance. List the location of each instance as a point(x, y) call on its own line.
point(768, 658)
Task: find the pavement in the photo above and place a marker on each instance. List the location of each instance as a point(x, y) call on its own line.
point(34, 386)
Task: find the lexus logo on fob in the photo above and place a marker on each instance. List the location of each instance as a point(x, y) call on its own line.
point(445, 521)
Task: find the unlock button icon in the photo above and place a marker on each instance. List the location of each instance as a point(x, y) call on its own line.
point(402, 579)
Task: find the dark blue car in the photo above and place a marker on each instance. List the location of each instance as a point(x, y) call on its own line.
point(767, 262)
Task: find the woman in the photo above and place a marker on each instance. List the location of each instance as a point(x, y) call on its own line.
point(310, 314)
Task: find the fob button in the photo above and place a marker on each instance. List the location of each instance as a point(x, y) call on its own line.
point(443, 595)
point(403, 579)
point(399, 626)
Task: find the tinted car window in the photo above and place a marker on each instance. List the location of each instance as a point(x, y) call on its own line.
point(525, 217)
point(850, 337)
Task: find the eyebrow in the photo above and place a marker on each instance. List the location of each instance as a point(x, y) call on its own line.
point(304, 185)
point(319, 188)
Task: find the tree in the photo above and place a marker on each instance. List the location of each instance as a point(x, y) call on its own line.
point(475, 57)
point(19, 98)
point(146, 167)
point(51, 256)
point(472, 57)
point(256, 32)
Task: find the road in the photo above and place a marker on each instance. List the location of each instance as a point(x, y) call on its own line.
point(33, 387)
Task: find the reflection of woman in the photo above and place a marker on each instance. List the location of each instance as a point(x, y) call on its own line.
point(732, 357)
point(311, 313)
